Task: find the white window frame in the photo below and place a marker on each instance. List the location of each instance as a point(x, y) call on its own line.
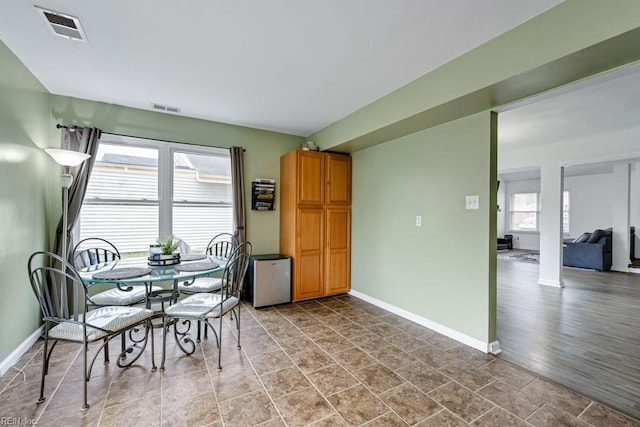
point(166, 151)
point(568, 211)
point(538, 211)
point(512, 211)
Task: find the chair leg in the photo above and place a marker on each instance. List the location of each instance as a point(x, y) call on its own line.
point(149, 327)
point(45, 368)
point(106, 352)
point(123, 345)
point(238, 325)
point(205, 331)
point(164, 342)
point(86, 375)
point(220, 343)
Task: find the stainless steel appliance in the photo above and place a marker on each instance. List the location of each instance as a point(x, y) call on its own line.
point(269, 280)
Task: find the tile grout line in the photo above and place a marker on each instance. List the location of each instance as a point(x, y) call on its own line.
point(357, 379)
point(294, 364)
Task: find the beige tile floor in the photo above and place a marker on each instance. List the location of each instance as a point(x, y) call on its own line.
point(330, 362)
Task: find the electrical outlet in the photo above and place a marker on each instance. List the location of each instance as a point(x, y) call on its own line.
point(418, 221)
point(472, 202)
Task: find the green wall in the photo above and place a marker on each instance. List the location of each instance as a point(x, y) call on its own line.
point(261, 160)
point(30, 203)
point(443, 271)
point(440, 271)
point(26, 182)
point(404, 166)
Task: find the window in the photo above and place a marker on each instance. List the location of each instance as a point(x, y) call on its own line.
point(140, 190)
point(524, 211)
point(565, 212)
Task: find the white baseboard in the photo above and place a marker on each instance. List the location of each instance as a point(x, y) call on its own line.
point(620, 268)
point(553, 283)
point(16, 354)
point(492, 347)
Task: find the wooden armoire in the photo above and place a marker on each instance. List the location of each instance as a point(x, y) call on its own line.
point(315, 221)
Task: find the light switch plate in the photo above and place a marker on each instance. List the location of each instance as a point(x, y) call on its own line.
point(419, 221)
point(472, 202)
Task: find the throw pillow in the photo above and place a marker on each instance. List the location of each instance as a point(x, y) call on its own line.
point(595, 236)
point(583, 238)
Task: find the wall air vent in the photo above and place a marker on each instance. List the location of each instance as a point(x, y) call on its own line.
point(63, 25)
point(167, 108)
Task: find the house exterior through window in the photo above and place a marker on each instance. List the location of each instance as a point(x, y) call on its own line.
point(525, 211)
point(141, 190)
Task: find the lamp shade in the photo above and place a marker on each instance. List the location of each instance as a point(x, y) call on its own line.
point(67, 157)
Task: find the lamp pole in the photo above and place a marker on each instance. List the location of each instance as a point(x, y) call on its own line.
point(66, 179)
point(66, 159)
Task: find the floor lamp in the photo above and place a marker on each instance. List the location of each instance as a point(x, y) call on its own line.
point(67, 159)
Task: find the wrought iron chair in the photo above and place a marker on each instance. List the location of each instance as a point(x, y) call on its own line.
point(203, 307)
point(66, 314)
point(93, 251)
point(220, 247)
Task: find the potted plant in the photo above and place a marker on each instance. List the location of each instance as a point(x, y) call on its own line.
point(170, 245)
point(162, 253)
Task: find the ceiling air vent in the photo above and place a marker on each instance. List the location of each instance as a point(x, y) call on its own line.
point(63, 25)
point(166, 108)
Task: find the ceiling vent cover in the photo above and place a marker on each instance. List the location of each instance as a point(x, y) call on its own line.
point(167, 108)
point(62, 25)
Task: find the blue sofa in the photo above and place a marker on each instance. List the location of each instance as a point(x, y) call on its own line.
point(591, 250)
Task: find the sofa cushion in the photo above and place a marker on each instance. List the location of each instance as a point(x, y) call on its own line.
point(596, 236)
point(583, 238)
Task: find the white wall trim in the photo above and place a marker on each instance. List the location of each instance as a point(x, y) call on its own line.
point(553, 283)
point(621, 268)
point(16, 354)
point(444, 330)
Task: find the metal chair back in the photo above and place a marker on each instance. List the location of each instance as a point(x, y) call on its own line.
point(222, 245)
point(58, 287)
point(92, 251)
point(235, 271)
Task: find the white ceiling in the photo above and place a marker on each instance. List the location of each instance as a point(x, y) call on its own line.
point(591, 107)
point(292, 66)
point(597, 105)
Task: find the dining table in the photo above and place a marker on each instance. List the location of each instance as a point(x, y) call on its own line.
point(160, 281)
point(126, 272)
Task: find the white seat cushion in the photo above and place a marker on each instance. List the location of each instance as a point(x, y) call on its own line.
point(198, 305)
point(201, 284)
point(115, 296)
point(112, 319)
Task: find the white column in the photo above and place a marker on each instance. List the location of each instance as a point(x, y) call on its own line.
point(551, 186)
point(621, 208)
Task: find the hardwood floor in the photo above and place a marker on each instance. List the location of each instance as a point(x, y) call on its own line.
point(585, 336)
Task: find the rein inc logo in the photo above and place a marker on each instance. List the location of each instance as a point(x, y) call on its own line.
point(17, 421)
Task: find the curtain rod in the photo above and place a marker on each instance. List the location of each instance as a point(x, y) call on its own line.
point(74, 127)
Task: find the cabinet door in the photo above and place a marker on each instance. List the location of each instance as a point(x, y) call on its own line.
point(338, 251)
point(310, 178)
point(338, 171)
point(309, 255)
